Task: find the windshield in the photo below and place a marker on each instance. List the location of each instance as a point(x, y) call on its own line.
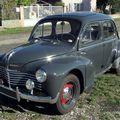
point(57, 30)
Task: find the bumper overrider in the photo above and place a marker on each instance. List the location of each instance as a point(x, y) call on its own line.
point(17, 95)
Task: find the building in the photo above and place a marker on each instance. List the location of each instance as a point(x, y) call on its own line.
point(74, 5)
point(79, 5)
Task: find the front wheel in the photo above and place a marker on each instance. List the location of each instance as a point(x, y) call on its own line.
point(69, 94)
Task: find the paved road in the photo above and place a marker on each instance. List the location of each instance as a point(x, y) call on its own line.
point(14, 38)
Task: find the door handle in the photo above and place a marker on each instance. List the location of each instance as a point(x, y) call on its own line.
point(82, 52)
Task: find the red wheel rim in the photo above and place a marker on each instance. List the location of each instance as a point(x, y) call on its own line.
point(67, 94)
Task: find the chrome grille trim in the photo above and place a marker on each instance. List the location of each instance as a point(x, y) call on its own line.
point(16, 78)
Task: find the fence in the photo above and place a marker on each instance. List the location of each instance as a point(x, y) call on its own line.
point(25, 16)
point(10, 13)
point(32, 12)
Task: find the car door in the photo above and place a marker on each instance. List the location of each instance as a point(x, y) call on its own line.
point(91, 46)
point(109, 38)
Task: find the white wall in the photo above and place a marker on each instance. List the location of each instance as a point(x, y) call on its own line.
point(69, 3)
point(93, 5)
point(66, 2)
point(11, 23)
point(30, 22)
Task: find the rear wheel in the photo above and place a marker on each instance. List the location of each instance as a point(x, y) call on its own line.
point(118, 69)
point(117, 66)
point(69, 94)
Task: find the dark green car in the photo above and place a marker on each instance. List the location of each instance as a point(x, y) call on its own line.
point(63, 56)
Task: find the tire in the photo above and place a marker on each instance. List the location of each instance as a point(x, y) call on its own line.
point(118, 70)
point(69, 94)
point(117, 66)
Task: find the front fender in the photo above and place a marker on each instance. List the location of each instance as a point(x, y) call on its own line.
point(58, 68)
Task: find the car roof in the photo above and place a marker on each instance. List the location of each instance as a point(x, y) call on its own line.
point(83, 17)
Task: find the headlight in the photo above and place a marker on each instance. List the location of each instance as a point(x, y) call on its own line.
point(41, 76)
point(30, 84)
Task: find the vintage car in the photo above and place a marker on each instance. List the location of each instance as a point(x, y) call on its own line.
point(63, 56)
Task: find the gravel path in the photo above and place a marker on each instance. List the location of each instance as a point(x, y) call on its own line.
point(14, 38)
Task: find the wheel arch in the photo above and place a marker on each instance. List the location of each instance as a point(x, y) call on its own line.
point(79, 74)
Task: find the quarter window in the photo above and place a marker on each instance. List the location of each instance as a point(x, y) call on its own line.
point(108, 29)
point(91, 33)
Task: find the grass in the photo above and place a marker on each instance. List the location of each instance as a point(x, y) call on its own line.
point(6, 31)
point(104, 100)
point(107, 88)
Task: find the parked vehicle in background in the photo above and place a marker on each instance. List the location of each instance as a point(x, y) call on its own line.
point(61, 60)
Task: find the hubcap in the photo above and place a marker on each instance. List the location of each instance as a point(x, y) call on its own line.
point(67, 93)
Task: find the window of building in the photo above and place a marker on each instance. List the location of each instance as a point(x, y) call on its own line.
point(77, 6)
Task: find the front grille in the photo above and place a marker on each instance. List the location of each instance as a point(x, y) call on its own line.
point(16, 78)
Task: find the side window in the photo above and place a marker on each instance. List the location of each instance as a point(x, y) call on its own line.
point(91, 33)
point(47, 29)
point(43, 30)
point(63, 27)
point(108, 29)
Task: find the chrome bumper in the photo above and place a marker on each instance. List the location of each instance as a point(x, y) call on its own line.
point(17, 95)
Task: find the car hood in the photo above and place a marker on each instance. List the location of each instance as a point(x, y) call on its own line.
point(31, 52)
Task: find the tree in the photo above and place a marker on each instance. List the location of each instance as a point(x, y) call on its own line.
point(52, 1)
point(25, 2)
point(8, 8)
point(59, 3)
point(113, 2)
point(103, 3)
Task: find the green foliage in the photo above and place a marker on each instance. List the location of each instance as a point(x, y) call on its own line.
point(9, 6)
point(101, 4)
point(8, 9)
point(113, 2)
point(25, 2)
point(60, 3)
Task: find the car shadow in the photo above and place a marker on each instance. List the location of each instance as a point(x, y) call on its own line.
point(111, 71)
point(11, 106)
